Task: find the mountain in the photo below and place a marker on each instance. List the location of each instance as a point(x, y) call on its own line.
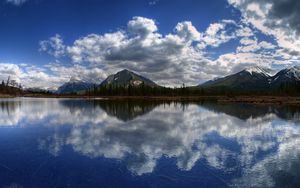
point(127, 110)
point(288, 75)
point(252, 78)
point(74, 86)
point(258, 79)
point(126, 78)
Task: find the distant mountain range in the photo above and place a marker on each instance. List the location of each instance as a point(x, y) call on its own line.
point(255, 78)
point(250, 79)
point(286, 75)
point(74, 86)
point(122, 78)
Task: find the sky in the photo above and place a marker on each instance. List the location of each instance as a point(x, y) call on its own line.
point(45, 43)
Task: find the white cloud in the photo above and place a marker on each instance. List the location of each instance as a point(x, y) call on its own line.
point(237, 61)
point(153, 2)
point(244, 31)
point(217, 34)
point(171, 59)
point(248, 45)
point(93, 48)
point(50, 76)
point(277, 18)
point(16, 2)
point(187, 31)
point(10, 70)
point(168, 131)
point(247, 41)
point(266, 45)
point(93, 74)
point(167, 59)
point(182, 55)
point(54, 46)
point(29, 76)
point(252, 45)
point(141, 26)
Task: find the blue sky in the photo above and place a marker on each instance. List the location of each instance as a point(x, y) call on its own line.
point(43, 43)
point(39, 20)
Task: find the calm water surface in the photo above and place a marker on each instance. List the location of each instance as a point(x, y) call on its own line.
point(81, 143)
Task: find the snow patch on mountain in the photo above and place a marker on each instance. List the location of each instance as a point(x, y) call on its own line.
point(258, 70)
point(293, 72)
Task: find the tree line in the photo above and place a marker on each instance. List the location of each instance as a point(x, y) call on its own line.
point(288, 88)
point(285, 89)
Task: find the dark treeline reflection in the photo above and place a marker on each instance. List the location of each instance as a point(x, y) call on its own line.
point(246, 111)
point(9, 106)
point(126, 110)
point(130, 109)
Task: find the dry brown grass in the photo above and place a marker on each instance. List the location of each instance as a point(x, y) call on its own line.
point(281, 100)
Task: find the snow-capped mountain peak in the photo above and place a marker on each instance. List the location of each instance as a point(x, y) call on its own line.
point(74, 85)
point(254, 78)
point(74, 79)
point(257, 70)
point(126, 78)
point(293, 72)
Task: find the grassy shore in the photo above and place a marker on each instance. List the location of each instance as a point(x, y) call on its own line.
point(7, 96)
point(280, 100)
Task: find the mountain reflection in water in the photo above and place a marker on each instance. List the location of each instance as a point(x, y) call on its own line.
point(230, 144)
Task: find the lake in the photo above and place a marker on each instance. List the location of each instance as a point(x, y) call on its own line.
point(102, 143)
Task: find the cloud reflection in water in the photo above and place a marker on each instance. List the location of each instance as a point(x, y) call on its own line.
point(261, 140)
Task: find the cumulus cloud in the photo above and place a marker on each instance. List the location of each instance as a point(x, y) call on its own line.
point(234, 60)
point(93, 48)
point(10, 71)
point(29, 76)
point(16, 2)
point(54, 46)
point(93, 74)
point(266, 45)
point(182, 55)
point(217, 34)
point(187, 31)
point(174, 58)
point(277, 18)
point(141, 26)
point(244, 31)
point(252, 45)
point(167, 59)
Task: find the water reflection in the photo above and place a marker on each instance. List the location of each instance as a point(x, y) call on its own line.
point(124, 110)
point(248, 111)
point(255, 145)
point(8, 110)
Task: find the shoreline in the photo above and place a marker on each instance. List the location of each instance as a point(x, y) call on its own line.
point(279, 100)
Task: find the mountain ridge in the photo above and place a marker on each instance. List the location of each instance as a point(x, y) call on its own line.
point(127, 78)
point(249, 78)
point(255, 78)
point(74, 86)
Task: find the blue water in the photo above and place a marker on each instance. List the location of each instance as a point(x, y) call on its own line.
point(97, 143)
